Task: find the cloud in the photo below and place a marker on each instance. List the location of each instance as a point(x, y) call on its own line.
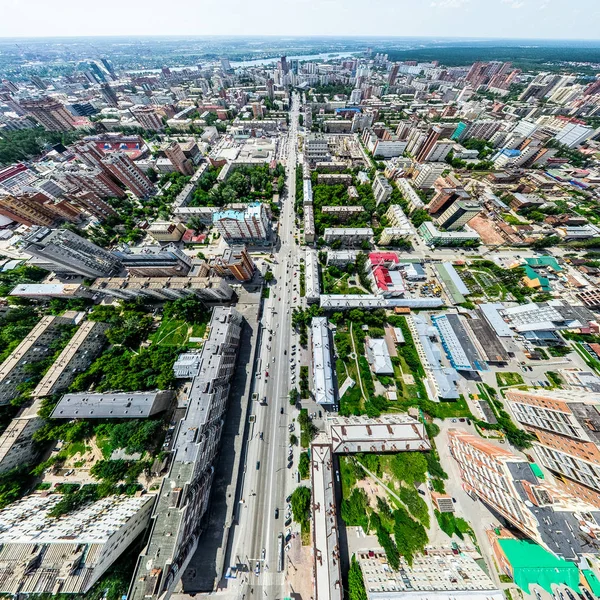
point(516, 4)
point(449, 3)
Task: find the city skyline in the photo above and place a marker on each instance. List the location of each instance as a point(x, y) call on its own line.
point(501, 19)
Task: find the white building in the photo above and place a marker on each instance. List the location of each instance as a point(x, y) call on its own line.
point(311, 276)
point(409, 193)
point(379, 357)
point(40, 554)
point(428, 174)
point(382, 190)
point(250, 225)
point(348, 236)
point(323, 387)
point(574, 134)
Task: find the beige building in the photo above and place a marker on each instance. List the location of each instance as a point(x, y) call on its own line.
point(164, 231)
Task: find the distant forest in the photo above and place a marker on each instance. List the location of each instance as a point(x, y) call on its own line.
point(535, 58)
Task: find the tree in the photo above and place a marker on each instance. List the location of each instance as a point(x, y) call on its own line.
point(268, 277)
point(409, 467)
point(304, 465)
point(300, 503)
point(196, 225)
point(356, 583)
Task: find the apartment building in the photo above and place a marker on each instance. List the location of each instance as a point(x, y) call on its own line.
point(70, 554)
point(68, 252)
point(342, 213)
point(323, 386)
point(123, 169)
point(35, 347)
point(458, 214)
point(76, 357)
point(16, 442)
point(382, 190)
point(309, 224)
point(147, 117)
point(316, 148)
point(506, 482)
point(211, 289)
point(433, 236)
point(311, 276)
point(353, 236)
point(179, 160)
point(28, 209)
point(178, 517)
point(427, 175)
point(235, 262)
point(334, 179)
point(49, 113)
point(249, 225)
point(567, 427)
point(93, 179)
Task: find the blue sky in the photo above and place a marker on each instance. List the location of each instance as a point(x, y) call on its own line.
point(547, 19)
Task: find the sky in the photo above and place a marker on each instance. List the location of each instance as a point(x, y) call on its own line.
point(526, 19)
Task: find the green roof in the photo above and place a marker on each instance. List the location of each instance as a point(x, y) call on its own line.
point(544, 261)
point(533, 564)
point(592, 580)
point(537, 471)
point(533, 274)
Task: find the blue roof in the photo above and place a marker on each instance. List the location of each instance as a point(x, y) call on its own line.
point(348, 108)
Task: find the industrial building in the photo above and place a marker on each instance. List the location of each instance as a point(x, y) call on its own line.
point(459, 347)
point(432, 236)
point(184, 494)
point(40, 291)
point(40, 554)
point(76, 357)
point(549, 516)
point(35, 347)
point(323, 385)
point(211, 289)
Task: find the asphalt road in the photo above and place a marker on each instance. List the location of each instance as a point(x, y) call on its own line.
point(267, 479)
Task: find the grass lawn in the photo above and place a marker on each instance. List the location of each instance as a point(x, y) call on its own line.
point(503, 379)
point(199, 330)
point(171, 333)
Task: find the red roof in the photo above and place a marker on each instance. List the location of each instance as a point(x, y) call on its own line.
point(382, 278)
point(379, 257)
point(190, 238)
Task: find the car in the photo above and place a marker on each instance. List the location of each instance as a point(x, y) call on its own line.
point(277, 513)
point(422, 492)
point(285, 352)
point(468, 421)
point(281, 410)
point(454, 420)
point(290, 464)
point(257, 465)
point(320, 415)
point(570, 594)
point(288, 522)
point(257, 569)
point(454, 500)
point(462, 419)
point(289, 499)
point(263, 554)
point(266, 373)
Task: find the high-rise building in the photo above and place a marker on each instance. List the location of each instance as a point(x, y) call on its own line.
point(355, 96)
point(175, 154)
point(29, 209)
point(433, 135)
point(270, 89)
point(567, 427)
point(507, 484)
point(128, 173)
point(95, 179)
point(427, 175)
point(147, 117)
point(70, 253)
point(237, 262)
point(382, 189)
point(109, 95)
point(284, 65)
point(257, 110)
point(50, 113)
point(183, 500)
point(93, 204)
point(456, 215)
point(108, 66)
point(89, 153)
point(250, 225)
point(9, 101)
point(393, 74)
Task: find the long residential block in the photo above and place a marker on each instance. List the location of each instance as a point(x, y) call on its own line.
point(184, 494)
point(213, 289)
point(33, 348)
point(75, 358)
